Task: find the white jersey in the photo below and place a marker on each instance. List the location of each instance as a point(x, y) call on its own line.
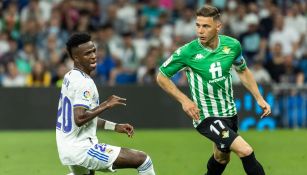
point(78, 90)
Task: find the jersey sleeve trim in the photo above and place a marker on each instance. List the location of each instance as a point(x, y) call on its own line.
point(163, 72)
point(82, 105)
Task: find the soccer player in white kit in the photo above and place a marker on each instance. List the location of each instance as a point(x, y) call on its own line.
point(77, 119)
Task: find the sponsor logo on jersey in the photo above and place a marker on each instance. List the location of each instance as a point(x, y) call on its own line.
point(216, 70)
point(226, 50)
point(86, 94)
point(225, 134)
point(198, 56)
point(217, 80)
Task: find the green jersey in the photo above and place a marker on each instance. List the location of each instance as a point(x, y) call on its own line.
point(208, 74)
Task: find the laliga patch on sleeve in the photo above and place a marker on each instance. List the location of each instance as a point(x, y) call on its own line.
point(86, 95)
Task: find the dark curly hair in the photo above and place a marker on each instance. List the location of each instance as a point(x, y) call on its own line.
point(75, 40)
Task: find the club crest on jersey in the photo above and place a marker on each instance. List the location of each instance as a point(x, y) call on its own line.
point(109, 150)
point(226, 50)
point(86, 94)
point(225, 134)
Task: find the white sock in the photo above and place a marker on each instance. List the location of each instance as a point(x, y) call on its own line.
point(146, 168)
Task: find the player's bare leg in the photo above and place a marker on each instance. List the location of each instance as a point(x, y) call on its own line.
point(221, 157)
point(78, 170)
point(217, 162)
point(246, 153)
point(129, 158)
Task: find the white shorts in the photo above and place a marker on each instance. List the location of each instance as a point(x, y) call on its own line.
point(99, 157)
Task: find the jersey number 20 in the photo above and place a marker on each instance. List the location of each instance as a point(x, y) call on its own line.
point(64, 111)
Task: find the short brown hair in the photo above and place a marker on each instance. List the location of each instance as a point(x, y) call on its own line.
point(208, 11)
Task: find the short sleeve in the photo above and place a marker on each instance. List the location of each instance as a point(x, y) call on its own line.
point(239, 61)
point(83, 95)
point(173, 64)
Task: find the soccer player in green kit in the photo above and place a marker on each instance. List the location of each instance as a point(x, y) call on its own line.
point(208, 61)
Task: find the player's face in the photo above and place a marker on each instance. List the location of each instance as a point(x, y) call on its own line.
point(85, 57)
point(207, 29)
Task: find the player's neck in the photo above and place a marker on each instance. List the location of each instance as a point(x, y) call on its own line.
point(81, 69)
point(213, 44)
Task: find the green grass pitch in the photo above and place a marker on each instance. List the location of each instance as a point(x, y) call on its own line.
point(174, 152)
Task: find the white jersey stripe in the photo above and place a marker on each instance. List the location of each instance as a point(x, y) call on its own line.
point(202, 97)
point(192, 83)
point(234, 110)
point(228, 96)
point(222, 102)
point(213, 101)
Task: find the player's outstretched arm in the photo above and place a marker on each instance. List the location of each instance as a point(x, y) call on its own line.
point(249, 82)
point(120, 128)
point(83, 115)
point(125, 128)
point(189, 107)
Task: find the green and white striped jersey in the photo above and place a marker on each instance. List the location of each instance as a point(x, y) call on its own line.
point(208, 73)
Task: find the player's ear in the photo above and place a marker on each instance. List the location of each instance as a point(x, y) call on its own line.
point(74, 55)
point(218, 25)
point(75, 58)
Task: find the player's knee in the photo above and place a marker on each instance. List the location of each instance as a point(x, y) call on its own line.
point(222, 159)
point(245, 151)
point(140, 158)
point(92, 172)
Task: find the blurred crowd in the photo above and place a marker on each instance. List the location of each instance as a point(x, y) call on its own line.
point(133, 38)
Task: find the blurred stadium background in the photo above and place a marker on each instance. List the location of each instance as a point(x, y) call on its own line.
point(133, 38)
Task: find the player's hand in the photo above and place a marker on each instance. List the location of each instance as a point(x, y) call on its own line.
point(191, 109)
point(125, 128)
point(265, 107)
point(115, 100)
